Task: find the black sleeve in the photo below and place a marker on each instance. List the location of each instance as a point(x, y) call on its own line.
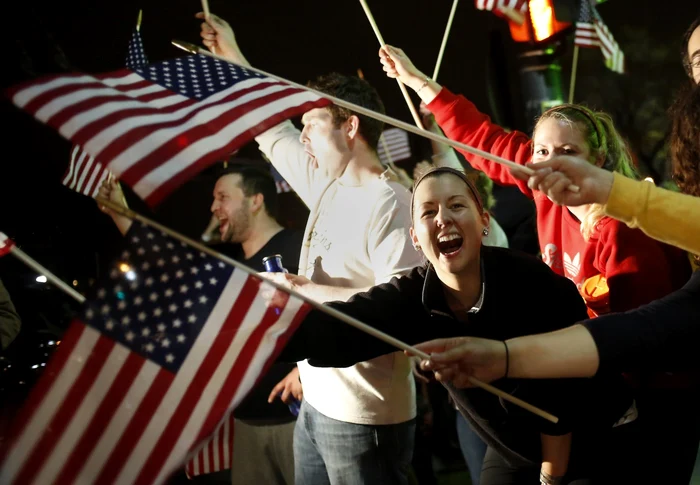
point(394, 308)
point(660, 336)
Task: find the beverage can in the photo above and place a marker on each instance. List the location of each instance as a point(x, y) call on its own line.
point(273, 264)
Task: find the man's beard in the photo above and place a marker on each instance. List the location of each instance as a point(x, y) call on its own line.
point(238, 225)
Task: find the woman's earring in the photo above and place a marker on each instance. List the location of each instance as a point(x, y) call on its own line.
point(486, 231)
point(416, 247)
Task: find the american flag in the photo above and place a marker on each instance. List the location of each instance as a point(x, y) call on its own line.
point(282, 185)
point(84, 173)
point(498, 6)
point(591, 31)
point(171, 342)
point(214, 455)
point(5, 244)
point(156, 126)
point(394, 146)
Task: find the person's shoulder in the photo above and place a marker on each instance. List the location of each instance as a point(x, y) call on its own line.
point(514, 262)
point(387, 192)
point(291, 236)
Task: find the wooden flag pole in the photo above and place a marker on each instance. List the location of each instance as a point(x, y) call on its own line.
point(194, 49)
point(138, 21)
point(411, 107)
point(318, 306)
point(574, 68)
point(55, 280)
point(207, 15)
point(444, 39)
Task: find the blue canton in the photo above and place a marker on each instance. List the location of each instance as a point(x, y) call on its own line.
point(158, 296)
point(195, 76)
point(136, 56)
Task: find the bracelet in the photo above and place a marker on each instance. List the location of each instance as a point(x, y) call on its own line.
point(505, 344)
point(547, 479)
point(425, 83)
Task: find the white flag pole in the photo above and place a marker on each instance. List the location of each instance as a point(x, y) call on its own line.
point(444, 39)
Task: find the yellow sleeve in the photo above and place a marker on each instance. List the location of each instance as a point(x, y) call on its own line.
point(668, 216)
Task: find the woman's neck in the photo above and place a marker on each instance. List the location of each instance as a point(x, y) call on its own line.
point(462, 291)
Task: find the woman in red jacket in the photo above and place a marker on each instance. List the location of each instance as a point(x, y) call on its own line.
point(615, 268)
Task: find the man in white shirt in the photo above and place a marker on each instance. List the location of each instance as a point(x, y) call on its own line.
point(356, 424)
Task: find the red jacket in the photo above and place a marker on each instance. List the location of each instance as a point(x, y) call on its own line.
point(637, 268)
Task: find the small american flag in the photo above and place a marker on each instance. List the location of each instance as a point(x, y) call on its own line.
point(156, 126)
point(5, 244)
point(394, 146)
point(591, 31)
point(215, 454)
point(171, 342)
point(85, 174)
point(498, 6)
point(282, 185)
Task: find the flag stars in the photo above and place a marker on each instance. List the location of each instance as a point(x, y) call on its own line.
point(149, 281)
point(160, 262)
point(142, 316)
point(89, 314)
point(140, 251)
point(157, 312)
point(126, 320)
point(177, 323)
point(213, 281)
point(155, 248)
point(145, 266)
point(126, 254)
point(170, 245)
point(172, 308)
point(109, 324)
point(149, 347)
point(221, 264)
point(179, 274)
point(105, 309)
point(101, 293)
point(181, 338)
point(162, 327)
point(208, 267)
point(194, 270)
point(192, 318)
point(121, 305)
point(198, 284)
point(150, 235)
point(175, 259)
point(169, 358)
point(130, 336)
point(184, 289)
point(153, 296)
point(188, 303)
point(165, 343)
point(189, 256)
point(203, 299)
point(169, 292)
point(164, 278)
point(146, 332)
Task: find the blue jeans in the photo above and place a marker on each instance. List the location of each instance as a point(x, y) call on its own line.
point(473, 448)
point(332, 452)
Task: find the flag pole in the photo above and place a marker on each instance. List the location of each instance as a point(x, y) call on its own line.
point(444, 39)
point(318, 306)
point(572, 83)
point(195, 49)
point(55, 280)
point(138, 21)
point(411, 107)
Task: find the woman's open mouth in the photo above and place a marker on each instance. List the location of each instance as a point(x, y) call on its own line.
point(450, 244)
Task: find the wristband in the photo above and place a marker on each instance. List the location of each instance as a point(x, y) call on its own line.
point(547, 479)
point(425, 83)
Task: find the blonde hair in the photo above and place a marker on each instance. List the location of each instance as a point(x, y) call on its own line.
point(603, 141)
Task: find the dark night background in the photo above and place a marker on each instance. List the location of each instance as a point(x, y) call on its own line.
point(297, 40)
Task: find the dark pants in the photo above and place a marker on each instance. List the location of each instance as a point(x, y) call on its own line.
point(669, 420)
point(473, 448)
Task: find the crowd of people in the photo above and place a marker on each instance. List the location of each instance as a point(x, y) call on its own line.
point(611, 310)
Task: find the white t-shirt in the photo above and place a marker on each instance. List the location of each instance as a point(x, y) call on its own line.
point(356, 236)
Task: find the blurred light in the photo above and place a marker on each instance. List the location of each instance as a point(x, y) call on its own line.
point(51, 342)
point(123, 267)
point(649, 179)
point(75, 282)
point(58, 342)
point(43, 364)
point(130, 275)
point(41, 279)
point(120, 295)
point(35, 366)
point(542, 16)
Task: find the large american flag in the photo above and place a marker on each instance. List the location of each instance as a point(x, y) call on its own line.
point(84, 173)
point(158, 125)
point(498, 6)
point(394, 146)
point(591, 31)
point(171, 342)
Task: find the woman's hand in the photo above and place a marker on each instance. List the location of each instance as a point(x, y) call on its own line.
point(397, 65)
point(457, 359)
